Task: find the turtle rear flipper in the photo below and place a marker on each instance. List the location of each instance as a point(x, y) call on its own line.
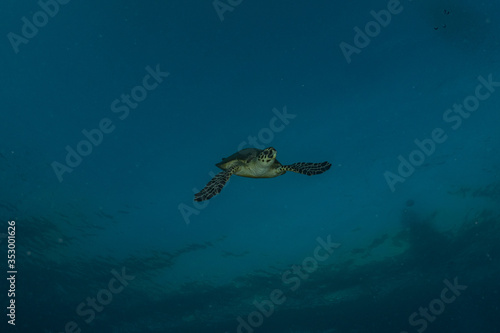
point(215, 185)
point(309, 169)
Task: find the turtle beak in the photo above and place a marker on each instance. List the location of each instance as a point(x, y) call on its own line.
point(272, 152)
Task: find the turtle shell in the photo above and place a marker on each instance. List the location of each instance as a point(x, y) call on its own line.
point(243, 156)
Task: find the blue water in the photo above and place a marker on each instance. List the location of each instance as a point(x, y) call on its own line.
point(114, 115)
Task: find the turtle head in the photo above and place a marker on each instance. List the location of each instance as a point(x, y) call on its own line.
point(267, 156)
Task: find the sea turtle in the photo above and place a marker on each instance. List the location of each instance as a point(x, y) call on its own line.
point(255, 163)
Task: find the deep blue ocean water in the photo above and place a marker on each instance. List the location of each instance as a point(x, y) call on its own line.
point(114, 115)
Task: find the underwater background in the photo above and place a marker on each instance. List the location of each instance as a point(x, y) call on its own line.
point(115, 113)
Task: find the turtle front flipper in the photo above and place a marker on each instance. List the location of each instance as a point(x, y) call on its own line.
point(215, 185)
point(309, 169)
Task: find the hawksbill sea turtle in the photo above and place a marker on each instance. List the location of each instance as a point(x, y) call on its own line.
point(255, 163)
